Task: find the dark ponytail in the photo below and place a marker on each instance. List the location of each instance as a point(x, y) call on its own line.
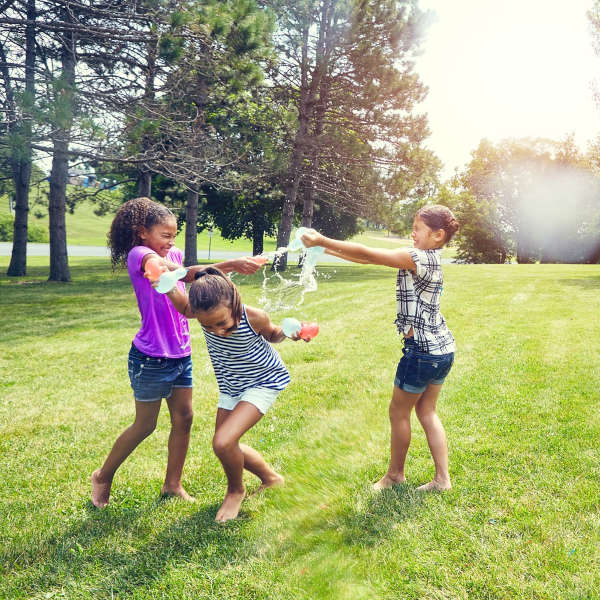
point(437, 217)
point(212, 288)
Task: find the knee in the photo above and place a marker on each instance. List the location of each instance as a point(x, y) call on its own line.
point(425, 416)
point(144, 427)
point(183, 420)
point(222, 444)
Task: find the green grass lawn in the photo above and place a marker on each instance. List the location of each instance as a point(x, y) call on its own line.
point(520, 408)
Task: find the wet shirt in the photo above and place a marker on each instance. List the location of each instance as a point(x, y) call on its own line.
point(418, 297)
point(163, 332)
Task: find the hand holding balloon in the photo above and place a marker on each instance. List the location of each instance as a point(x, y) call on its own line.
point(169, 279)
point(161, 278)
point(153, 269)
point(309, 238)
point(294, 329)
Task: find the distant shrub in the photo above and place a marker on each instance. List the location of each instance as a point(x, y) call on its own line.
point(35, 233)
point(6, 229)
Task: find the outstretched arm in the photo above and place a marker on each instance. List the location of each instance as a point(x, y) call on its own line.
point(398, 258)
point(244, 265)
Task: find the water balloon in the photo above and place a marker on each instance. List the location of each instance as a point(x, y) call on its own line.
point(305, 331)
point(260, 260)
point(291, 326)
point(168, 280)
point(297, 244)
point(153, 269)
point(308, 331)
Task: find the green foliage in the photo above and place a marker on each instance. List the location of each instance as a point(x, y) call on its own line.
point(532, 199)
point(35, 233)
point(334, 221)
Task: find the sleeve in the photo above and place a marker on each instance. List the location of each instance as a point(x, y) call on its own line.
point(424, 267)
point(135, 258)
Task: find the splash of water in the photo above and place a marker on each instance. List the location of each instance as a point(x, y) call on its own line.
point(285, 291)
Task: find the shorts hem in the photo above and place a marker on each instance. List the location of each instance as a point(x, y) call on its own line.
point(411, 389)
point(147, 399)
point(261, 398)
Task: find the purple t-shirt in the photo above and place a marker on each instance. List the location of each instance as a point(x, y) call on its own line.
point(164, 332)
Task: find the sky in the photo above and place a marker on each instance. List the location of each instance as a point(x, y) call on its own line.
point(509, 68)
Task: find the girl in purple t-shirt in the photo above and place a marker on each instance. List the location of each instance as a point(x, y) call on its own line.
point(160, 364)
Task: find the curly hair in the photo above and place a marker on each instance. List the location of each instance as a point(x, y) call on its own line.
point(437, 216)
point(125, 228)
point(212, 288)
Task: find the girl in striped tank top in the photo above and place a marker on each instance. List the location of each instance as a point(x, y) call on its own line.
point(250, 374)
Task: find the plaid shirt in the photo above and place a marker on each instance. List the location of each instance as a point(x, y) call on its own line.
point(418, 296)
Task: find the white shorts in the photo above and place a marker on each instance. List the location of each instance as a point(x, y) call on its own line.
point(261, 397)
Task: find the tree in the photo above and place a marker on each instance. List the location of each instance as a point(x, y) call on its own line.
point(535, 199)
point(17, 131)
point(346, 67)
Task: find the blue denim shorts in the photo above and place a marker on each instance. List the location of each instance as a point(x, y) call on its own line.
point(416, 370)
point(153, 378)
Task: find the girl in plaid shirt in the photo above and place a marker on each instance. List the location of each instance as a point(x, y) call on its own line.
point(429, 347)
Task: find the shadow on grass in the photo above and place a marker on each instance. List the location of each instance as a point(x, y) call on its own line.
point(383, 512)
point(86, 554)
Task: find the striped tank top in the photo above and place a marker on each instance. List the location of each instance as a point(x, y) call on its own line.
point(244, 360)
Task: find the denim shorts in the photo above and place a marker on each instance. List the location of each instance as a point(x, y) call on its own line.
point(416, 370)
point(153, 378)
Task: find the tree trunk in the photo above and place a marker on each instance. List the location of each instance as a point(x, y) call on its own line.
point(144, 184)
point(289, 204)
point(257, 238)
point(59, 260)
point(21, 167)
point(145, 176)
point(21, 177)
point(191, 228)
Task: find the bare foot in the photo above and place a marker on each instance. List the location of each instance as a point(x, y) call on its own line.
point(100, 490)
point(275, 480)
point(435, 486)
point(230, 507)
point(178, 492)
point(387, 481)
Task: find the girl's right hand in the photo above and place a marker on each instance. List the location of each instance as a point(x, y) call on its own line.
point(312, 238)
point(153, 269)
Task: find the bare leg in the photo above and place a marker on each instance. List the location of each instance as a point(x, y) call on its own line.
point(229, 428)
point(256, 464)
point(436, 438)
point(180, 408)
point(144, 424)
point(400, 408)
